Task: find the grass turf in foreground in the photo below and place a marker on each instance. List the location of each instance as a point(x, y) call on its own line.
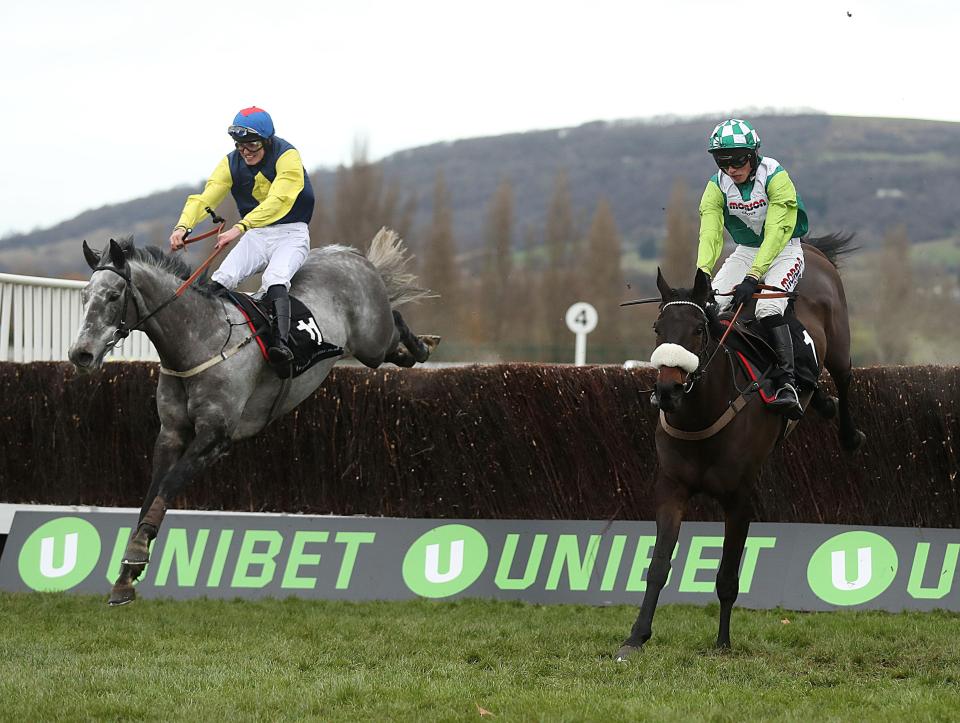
point(67, 657)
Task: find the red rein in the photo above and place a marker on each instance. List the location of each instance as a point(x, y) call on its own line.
point(205, 264)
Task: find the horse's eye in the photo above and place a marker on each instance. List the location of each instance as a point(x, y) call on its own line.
point(699, 331)
point(113, 296)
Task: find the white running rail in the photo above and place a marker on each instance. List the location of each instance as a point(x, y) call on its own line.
point(39, 318)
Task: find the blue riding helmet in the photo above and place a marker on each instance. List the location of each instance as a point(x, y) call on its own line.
point(251, 124)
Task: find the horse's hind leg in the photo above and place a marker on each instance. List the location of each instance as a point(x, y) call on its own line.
point(738, 513)
point(823, 403)
point(417, 348)
point(837, 362)
point(850, 437)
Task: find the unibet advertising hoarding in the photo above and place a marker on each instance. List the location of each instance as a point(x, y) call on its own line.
point(796, 566)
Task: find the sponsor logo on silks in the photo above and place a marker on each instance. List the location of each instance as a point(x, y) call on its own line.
point(310, 326)
point(792, 277)
point(852, 568)
point(749, 206)
point(59, 554)
point(444, 561)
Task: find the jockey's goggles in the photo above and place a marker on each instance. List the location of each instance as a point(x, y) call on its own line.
point(252, 146)
point(731, 160)
point(240, 133)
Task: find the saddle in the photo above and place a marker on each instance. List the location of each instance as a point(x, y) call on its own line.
point(758, 360)
point(305, 341)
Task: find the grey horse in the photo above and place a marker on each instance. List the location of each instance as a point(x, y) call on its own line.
point(215, 387)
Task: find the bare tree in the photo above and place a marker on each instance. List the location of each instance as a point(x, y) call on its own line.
point(678, 258)
point(559, 281)
point(320, 231)
point(894, 305)
point(364, 202)
point(439, 269)
point(498, 262)
point(528, 325)
point(603, 280)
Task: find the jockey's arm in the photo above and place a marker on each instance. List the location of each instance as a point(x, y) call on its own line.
point(711, 228)
point(780, 223)
point(286, 186)
point(216, 189)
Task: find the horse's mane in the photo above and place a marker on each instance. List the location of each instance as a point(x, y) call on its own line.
point(171, 264)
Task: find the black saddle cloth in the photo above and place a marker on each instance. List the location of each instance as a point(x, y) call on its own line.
point(759, 361)
point(305, 341)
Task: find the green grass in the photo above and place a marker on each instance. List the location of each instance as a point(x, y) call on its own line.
point(67, 657)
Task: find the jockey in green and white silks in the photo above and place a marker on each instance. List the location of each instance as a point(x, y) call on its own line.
point(753, 198)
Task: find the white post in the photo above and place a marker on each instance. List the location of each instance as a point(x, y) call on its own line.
point(581, 319)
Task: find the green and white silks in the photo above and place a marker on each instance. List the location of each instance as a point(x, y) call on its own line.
point(764, 213)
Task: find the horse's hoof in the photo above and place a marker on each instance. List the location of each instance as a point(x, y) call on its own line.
point(625, 652)
point(121, 595)
point(430, 341)
point(854, 442)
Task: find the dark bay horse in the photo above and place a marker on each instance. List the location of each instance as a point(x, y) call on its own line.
point(726, 464)
point(202, 411)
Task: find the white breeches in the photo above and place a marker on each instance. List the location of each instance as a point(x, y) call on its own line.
point(784, 273)
point(278, 251)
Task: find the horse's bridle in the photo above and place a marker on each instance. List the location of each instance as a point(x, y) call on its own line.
point(123, 330)
point(695, 376)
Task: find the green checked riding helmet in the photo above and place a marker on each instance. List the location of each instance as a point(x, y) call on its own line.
point(735, 137)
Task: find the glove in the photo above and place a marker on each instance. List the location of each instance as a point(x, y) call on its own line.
point(744, 291)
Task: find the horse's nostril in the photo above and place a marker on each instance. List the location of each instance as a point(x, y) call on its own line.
point(81, 358)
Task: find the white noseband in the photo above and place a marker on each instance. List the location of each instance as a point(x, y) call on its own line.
point(674, 355)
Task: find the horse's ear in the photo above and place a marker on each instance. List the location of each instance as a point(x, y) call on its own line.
point(666, 291)
point(92, 257)
point(701, 287)
point(116, 255)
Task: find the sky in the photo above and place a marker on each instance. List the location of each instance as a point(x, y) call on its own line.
point(107, 101)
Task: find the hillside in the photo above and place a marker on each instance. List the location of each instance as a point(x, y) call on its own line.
point(857, 174)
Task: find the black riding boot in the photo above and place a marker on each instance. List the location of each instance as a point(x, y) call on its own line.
point(787, 402)
point(279, 352)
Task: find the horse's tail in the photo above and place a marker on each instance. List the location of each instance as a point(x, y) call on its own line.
point(389, 256)
point(834, 246)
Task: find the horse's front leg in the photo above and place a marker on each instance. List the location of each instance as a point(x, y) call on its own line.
point(167, 450)
point(209, 443)
point(670, 508)
point(738, 512)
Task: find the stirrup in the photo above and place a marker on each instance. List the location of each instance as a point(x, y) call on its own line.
point(787, 402)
